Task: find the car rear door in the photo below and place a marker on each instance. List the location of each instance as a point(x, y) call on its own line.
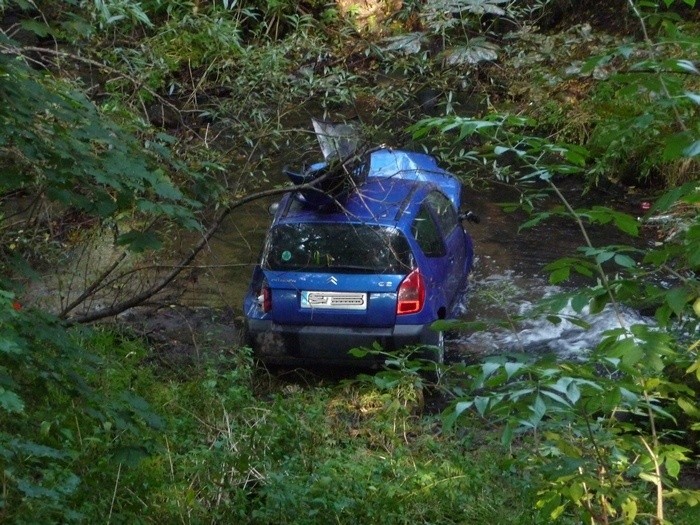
point(437, 231)
point(454, 238)
point(435, 265)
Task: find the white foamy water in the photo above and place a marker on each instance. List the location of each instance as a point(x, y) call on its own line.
point(531, 332)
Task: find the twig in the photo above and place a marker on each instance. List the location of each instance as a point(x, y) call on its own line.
point(96, 284)
point(659, 485)
point(138, 299)
point(599, 268)
point(92, 288)
point(114, 495)
point(659, 76)
point(20, 51)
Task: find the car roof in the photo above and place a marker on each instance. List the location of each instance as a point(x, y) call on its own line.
point(396, 181)
point(376, 200)
point(410, 165)
point(384, 162)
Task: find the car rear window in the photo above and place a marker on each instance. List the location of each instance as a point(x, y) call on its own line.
point(349, 248)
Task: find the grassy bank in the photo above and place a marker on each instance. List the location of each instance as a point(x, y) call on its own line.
point(225, 442)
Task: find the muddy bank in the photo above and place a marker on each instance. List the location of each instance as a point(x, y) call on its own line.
point(181, 336)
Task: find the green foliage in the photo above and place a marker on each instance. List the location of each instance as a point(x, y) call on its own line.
point(56, 143)
point(197, 40)
point(605, 428)
point(109, 12)
point(456, 25)
point(503, 142)
point(654, 133)
point(361, 460)
point(599, 434)
point(629, 101)
point(591, 451)
point(57, 419)
point(137, 445)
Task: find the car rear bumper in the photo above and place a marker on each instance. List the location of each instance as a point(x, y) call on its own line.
point(277, 343)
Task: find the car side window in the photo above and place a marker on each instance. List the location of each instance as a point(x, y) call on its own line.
point(444, 211)
point(425, 231)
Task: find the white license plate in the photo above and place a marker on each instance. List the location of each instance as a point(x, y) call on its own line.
point(334, 300)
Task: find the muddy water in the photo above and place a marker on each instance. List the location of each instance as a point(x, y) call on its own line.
point(507, 280)
point(225, 267)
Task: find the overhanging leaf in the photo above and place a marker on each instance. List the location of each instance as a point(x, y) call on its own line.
point(538, 409)
point(140, 241)
point(512, 368)
point(481, 404)
point(689, 407)
point(556, 397)
point(573, 393)
point(687, 65)
point(477, 50)
point(626, 223)
point(10, 401)
point(130, 456)
point(679, 145)
point(39, 29)
point(482, 7)
point(673, 467)
point(409, 44)
point(624, 260)
point(559, 275)
point(460, 407)
point(489, 368)
point(677, 298)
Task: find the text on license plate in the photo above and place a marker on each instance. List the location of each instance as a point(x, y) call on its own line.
point(334, 300)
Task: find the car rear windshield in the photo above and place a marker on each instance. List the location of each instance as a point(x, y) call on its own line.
point(351, 248)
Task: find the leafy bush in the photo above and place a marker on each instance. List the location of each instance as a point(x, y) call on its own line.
point(93, 433)
point(58, 420)
point(56, 143)
point(596, 434)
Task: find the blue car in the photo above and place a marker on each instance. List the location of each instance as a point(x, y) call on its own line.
point(378, 262)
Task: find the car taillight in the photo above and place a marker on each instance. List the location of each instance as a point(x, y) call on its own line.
point(265, 297)
point(411, 294)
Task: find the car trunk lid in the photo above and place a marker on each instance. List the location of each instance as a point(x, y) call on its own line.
point(333, 299)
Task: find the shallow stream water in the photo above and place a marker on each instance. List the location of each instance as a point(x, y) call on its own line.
point(509, 279)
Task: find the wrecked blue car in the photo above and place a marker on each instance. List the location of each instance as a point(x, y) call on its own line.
point(377, 261)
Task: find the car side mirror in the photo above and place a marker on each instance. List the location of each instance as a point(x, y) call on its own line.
point(469, 216)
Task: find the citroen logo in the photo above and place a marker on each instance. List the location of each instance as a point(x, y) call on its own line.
point(332, 280)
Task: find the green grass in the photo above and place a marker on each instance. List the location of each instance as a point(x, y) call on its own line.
point(229, 444)
point(224, 442)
